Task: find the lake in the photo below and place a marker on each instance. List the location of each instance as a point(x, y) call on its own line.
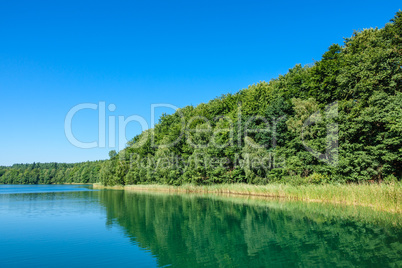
point(75, 226)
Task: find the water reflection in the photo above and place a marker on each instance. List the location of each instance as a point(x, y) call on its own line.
point(63, 228)
point(193, 231)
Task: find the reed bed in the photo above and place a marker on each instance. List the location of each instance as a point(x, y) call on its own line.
point(381, 197)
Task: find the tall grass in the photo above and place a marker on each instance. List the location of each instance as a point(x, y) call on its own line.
point(319, 212)
point(381, 197)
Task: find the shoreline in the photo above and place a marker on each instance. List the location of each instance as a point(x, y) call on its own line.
point(380, 197)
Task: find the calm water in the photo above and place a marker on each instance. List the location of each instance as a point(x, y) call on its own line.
point(74, 226)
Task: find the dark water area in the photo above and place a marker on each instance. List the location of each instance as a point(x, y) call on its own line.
point(75, 226)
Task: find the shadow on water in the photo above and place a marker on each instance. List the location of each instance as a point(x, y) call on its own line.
point(195, 230)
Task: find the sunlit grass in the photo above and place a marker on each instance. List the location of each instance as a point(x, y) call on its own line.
point(382, 197)
point(318, 212)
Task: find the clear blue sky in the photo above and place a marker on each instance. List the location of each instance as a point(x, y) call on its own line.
point(57, 54)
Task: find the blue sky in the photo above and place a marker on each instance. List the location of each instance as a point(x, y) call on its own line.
point(55, 55)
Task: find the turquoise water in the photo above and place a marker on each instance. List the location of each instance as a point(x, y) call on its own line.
point(75, 226)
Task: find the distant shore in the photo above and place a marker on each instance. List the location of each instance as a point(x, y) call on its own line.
point(381, 197)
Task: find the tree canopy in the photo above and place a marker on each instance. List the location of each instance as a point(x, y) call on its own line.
point(284, 129)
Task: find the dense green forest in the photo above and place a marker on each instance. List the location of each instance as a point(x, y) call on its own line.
point(48, 173)
point(338, 119)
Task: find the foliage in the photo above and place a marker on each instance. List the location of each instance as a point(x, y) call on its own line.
point(50, 173)
point(260, 134)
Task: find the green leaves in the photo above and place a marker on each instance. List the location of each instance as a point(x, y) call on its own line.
point(48, 173)
point(286, 116)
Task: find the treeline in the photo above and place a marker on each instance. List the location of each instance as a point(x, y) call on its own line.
point(338, 119)
point(49, 173)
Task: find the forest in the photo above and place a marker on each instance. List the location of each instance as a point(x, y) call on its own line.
point(338, 119)
point(50, 173)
